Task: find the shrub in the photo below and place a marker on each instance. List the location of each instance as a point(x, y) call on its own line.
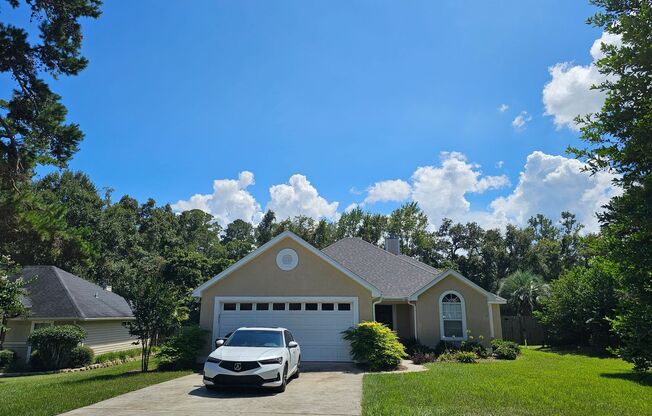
point(474, 347)
point(423, 357)
point(376, 345)
point(81, 357)
point(180, 351)
point(466, 357)
point(497, 343)
point(54, 344)
point(412, 346)
point(446, 346)
point(446, 356)
point(505, 352)
point(6, 357)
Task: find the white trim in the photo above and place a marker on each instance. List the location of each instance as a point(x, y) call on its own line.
point(491, 298)
point(414, 317)
point(375, 292)
point(491, 321)
point(441, 317)
point(219, 300)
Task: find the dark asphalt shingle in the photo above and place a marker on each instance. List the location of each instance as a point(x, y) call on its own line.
point(395, 276)
point(55, 293)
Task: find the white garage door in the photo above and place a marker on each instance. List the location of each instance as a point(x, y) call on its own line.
point(316, 323)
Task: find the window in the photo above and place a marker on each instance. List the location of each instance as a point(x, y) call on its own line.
point(453, 319)
point(229, 306)
point(262, 306)
point(246, 306)
point(311, 306)
point(327, 306)
point(288, 337)
point(278, 306)
point(295, 306)
point(343, 306)
point(255, 338)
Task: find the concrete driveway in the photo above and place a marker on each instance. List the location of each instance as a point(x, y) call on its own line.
point(322, 389)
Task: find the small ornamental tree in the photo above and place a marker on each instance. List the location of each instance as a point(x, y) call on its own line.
point(156, 308)
point(54, 344)
point(10, 291)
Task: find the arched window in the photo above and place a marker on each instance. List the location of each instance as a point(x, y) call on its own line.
point(452, 316)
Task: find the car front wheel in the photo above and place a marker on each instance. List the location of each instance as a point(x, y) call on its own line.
point(284, 380)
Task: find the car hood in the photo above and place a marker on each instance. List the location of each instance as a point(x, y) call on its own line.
point(246, 353)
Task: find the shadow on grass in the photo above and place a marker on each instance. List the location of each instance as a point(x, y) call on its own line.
point(644, 379)
point(110, 377)
point(583, 351)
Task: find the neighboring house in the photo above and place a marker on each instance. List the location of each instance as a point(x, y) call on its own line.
point(318, 294)
point(56, 297)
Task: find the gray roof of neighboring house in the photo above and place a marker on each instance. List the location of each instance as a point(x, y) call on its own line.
point(396, 276)
point(55, 293)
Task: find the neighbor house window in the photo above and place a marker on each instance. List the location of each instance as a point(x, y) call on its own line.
point(453, 319)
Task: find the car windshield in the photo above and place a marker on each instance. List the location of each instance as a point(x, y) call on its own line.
point(255, 338)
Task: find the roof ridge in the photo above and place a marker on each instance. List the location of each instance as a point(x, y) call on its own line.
point(67, 290)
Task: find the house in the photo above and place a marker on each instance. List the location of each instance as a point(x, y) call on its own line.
point(56, 297)
point(318, 294)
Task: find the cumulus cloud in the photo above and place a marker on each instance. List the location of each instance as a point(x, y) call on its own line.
point(520, 122)
point(441, 190)
point(391, 190)
point(552, 184)
point(299, 197)
point(500, 164)
point(569, 93)
point(503, 108)
point(229, 201)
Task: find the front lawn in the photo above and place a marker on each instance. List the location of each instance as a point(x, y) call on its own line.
point(55, 393)
point(538, 383)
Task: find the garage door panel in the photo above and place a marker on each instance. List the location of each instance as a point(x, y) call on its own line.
point(318, 332)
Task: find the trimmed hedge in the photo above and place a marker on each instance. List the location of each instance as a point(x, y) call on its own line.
point(53, 345)
point(505, 350)
point(6, 357)
point(81, 357)
point(375, 345)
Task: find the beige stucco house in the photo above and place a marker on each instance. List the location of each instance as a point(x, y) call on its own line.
point(56, 297)
point(318, 294)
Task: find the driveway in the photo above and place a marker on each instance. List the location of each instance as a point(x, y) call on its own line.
point(322, 389)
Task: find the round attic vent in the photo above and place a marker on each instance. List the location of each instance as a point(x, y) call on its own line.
point(287, 259)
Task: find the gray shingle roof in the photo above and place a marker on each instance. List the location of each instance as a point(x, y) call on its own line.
point(395, 276)
point(55, 293)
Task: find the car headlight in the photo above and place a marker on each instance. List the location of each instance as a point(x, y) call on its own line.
point(278, 360)
point(213, 360)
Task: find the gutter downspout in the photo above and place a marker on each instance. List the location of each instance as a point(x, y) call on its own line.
point(414, 308)
point(373, 307)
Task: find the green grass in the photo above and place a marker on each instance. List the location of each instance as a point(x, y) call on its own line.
point(537, 383)
point(55, 393)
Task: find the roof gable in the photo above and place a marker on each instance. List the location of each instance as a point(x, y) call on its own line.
point(55, 293)
point(491, 298)
point(273, 242)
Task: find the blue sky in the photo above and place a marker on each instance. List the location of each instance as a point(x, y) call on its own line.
point(346, 93)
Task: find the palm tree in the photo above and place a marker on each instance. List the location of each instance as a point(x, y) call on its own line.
point(523, 291)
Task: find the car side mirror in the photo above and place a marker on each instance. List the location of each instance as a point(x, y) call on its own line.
point(219, 343)
point(292, 344)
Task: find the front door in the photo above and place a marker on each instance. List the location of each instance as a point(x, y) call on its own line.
point(385, 315)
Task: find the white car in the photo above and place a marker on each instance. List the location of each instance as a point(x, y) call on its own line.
point(265, 357)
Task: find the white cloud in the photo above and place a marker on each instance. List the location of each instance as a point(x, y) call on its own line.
point(229, 201)
point(520, 122)
point(299, 197)
point(503, 108)
point(500, 164)
point(391, 190)
point(441, 190)
point(552, 184)
point(569, 93)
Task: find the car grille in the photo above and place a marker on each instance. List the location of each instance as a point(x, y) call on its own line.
point(243, 365)
point(225, 379)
